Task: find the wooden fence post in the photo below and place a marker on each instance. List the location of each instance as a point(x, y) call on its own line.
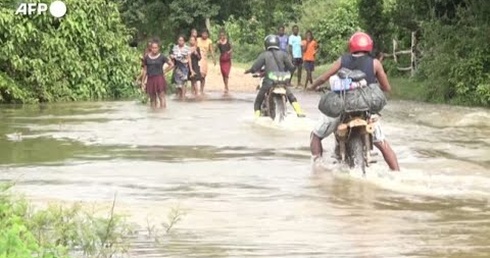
point(394, 50)
point(412, 54)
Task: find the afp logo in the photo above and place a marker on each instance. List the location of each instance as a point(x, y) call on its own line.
point(57, 9)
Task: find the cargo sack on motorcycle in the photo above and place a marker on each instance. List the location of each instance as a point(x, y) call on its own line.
point(331, 104)
point(375, 96)
point(348, 99)
point(279, 77)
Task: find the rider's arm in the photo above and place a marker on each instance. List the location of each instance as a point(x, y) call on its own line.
point(381, 76)
point(288, 64)
point(324, 77)
point(258, 64)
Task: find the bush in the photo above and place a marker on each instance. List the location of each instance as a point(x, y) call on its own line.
point(456, 61)
point(82, 56)
point(57, 231)
point(334, 28)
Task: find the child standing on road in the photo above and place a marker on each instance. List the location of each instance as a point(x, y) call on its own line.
point(296, 52)
point(310, 47)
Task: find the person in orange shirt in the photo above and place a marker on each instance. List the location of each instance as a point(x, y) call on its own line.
point(310, 46)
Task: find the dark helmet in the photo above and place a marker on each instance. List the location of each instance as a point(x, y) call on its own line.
point(271, 42)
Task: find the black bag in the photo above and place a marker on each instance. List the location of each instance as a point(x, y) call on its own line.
point(331, 104)
point(370, 98)
point(376, 97)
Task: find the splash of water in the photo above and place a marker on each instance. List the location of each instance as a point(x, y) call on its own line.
point(410, 181)
point(290, 123)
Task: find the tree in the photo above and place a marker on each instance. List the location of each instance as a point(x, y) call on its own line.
point(81, 56)
point(373, 21)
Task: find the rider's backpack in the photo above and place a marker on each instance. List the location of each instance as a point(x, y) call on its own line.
point(368, 98)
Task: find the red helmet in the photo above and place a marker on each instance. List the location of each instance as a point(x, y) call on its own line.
point(360, 42)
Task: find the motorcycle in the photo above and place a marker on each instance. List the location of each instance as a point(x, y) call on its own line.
point(274, 104)
point(354, 136)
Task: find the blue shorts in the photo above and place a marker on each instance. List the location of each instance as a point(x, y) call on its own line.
point(309, 66)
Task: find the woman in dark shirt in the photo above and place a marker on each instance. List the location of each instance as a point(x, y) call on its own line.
point(195, 57)
point(225, 49)
point(155, 85)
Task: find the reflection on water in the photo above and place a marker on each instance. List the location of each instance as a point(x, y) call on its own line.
point(247, 186)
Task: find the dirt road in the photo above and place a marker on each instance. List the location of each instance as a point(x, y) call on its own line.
point(239, 82)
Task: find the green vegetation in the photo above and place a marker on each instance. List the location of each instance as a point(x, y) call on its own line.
point(57, 231)
point(82, 56)
point(62, 231)
point(453, 59)
point(87, 57)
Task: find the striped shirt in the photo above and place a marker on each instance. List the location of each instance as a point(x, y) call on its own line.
point(181, 53)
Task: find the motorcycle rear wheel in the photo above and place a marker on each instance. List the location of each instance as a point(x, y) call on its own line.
point(279, 109)
point(355, 151)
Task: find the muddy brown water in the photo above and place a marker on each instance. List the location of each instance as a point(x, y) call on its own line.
point(248, 188)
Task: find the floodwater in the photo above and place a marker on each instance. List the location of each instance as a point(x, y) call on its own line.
point(247, 188)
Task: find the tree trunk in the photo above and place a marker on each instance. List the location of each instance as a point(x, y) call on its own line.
point(208, 24)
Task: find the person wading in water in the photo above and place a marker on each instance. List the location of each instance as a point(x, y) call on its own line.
point(181, 53)
point(225, 49)
point(205, 45)
point(195, 57)
point(156, 86)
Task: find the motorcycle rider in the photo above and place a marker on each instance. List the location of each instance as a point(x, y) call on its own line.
point(274, 60)
point(360, 45)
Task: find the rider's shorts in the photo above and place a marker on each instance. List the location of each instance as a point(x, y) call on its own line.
point(327, 125)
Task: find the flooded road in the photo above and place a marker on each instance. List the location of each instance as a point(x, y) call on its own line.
point(247, 188)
